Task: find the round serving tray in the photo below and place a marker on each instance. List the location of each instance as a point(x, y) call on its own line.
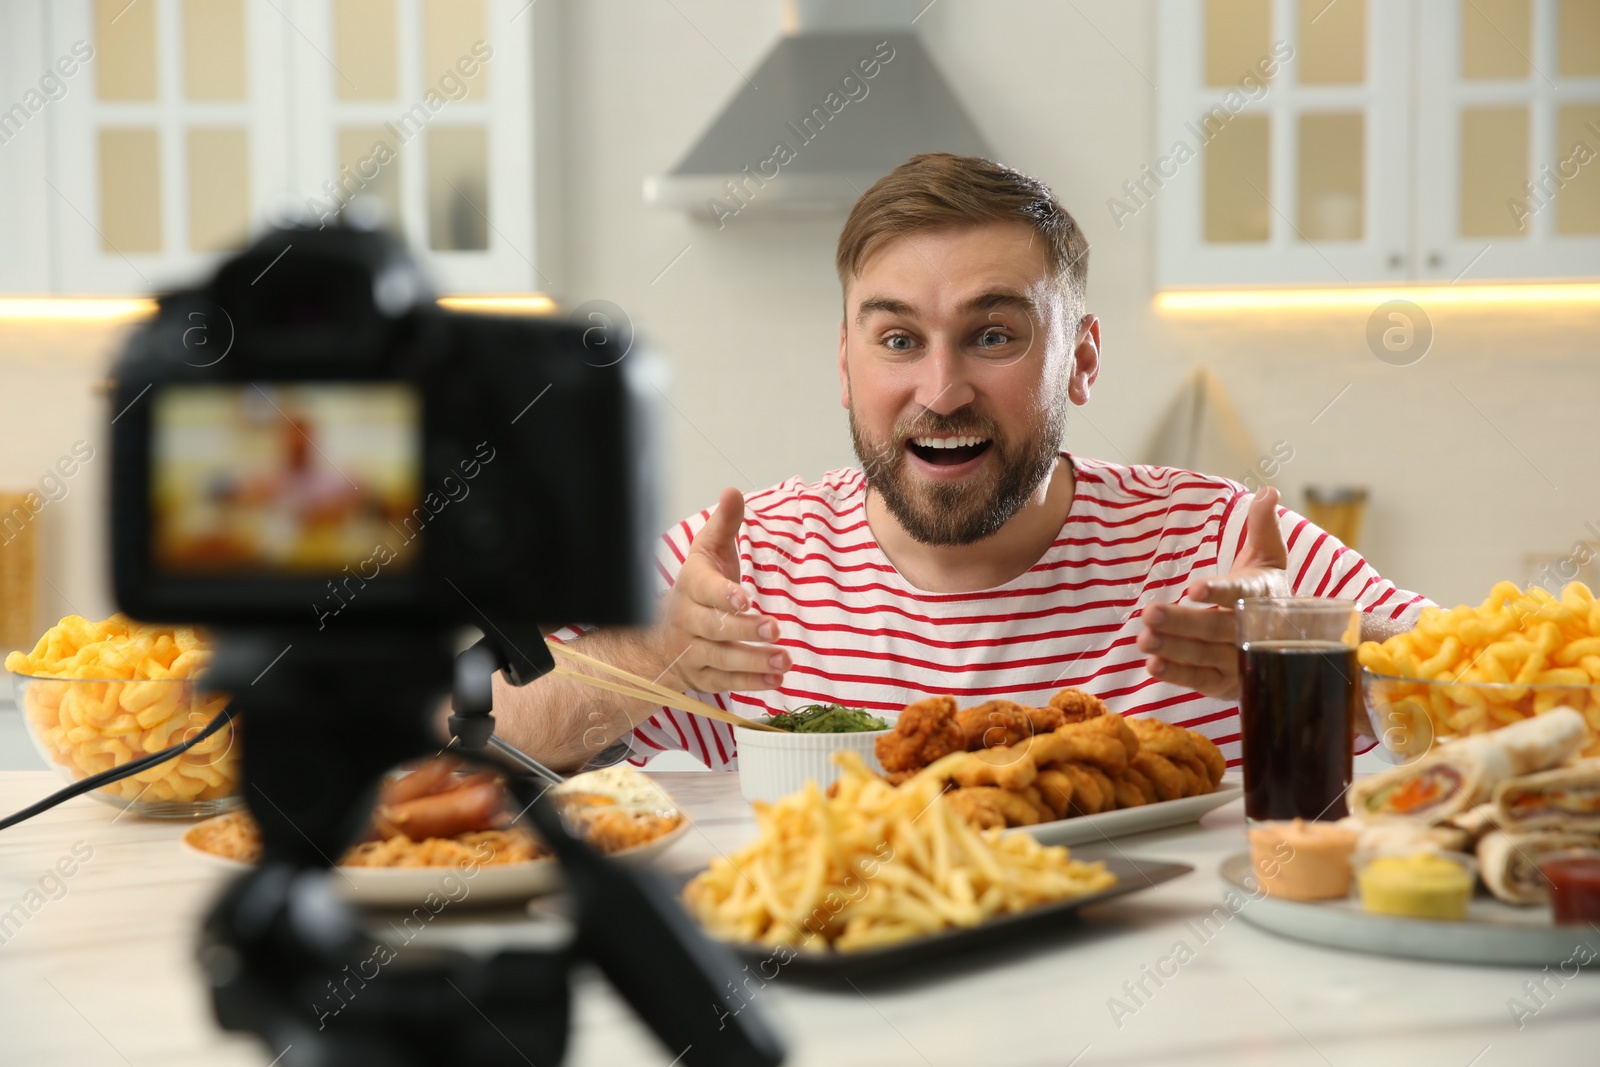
point(1493, 932)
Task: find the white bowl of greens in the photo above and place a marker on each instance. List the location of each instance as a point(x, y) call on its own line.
point(774, 764)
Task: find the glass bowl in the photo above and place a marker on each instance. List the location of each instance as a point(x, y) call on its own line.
point(1410, 715)
point(83, 726)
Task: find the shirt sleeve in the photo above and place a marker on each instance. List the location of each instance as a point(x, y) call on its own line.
point(1320, 565)
point(707, 740)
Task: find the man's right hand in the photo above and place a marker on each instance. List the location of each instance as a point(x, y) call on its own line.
point(710, 637)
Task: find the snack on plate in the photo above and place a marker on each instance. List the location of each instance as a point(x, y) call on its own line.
point(1461, 774)
point(439, 815)
point(1302, 861)
point(100, 694)
point(1566, 797)
point(1011, 765)
point(876, 864)
point(1510, 863)
point(1426, 885)
point(1515, 639)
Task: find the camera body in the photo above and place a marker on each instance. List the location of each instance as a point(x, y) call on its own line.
point(309, 441)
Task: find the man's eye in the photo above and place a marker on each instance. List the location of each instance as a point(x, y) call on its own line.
point(992, 339)
point(897, 343)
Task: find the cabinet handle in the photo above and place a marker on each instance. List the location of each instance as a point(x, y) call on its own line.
point(1435, 259)
point(1395, 260)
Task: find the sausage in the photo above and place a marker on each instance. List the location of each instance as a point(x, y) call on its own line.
point(428, 778)
point(458, 811)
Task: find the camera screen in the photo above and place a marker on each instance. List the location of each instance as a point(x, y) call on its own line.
point(273, 478)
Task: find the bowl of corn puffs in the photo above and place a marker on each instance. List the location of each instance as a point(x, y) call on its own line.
point(1474, 668)
point(98, 695)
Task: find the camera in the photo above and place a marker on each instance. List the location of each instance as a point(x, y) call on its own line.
point(310, 442)
point(337, 478)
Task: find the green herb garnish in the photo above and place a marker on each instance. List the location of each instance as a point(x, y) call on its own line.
point(826, 719)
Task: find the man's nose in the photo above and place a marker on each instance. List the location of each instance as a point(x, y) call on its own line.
point(944, 387)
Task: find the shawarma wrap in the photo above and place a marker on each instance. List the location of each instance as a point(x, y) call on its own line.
point(1461, 774)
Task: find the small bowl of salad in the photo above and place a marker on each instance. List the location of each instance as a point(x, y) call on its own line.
point(773, 764)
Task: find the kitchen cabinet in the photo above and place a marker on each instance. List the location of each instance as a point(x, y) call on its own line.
point(185, 126)
point(1309, 142)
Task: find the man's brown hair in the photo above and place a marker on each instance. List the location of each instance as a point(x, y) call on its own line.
point(939, 191)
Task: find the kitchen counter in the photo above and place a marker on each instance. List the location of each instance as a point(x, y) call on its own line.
point(96, 968)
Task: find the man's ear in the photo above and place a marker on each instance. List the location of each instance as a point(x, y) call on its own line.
point(844, 369)
point(1085, 360)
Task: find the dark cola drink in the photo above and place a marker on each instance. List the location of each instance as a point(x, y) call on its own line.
point(1298, 704)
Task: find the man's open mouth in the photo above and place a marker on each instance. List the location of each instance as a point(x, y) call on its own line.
point(948, 451)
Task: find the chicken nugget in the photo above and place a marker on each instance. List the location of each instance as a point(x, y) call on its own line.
point(1085, 743)
point(1046, 719)
point(926, 731)
point(984, 802)
point(1114, 726)
point(994, 723)
point(1162, 738)
point(1055, 786)
point(1167, 779)
point(1210, 755)
point(1076, 705)
point(1092, 792)
point(1008, 768)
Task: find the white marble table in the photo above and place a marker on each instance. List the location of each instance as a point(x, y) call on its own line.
point(101, 972)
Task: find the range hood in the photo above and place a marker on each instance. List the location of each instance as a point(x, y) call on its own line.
point(845, 96)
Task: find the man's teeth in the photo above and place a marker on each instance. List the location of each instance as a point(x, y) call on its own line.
point(948, 442)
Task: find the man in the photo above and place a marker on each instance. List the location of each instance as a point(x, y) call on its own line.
point(968, 555)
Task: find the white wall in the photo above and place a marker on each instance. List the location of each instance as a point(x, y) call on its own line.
point(748, 317)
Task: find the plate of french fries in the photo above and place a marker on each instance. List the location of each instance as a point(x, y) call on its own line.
point(874, 875)
point(1474, 668)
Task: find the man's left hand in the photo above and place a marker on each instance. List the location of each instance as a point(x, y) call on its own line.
point(1197, 647)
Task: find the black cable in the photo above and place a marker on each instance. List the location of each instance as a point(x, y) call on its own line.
point(116, 774)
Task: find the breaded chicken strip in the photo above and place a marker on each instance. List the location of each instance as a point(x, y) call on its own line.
point(1210, 755)
point(1088, 795)
point(1055, 787)
point(1007, 768)
point(980, 806)
point(1168, 780)
point(1076, 705)
point(926, 731)
point(1045, 720)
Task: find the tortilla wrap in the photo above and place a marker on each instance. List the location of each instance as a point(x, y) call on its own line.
point(1461, 774)
point(1566, 798)
point(1509, 863)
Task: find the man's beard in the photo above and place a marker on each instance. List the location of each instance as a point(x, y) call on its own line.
point(958, 513)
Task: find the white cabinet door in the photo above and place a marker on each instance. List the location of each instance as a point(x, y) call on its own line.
point(172, 145)
point(1509, 139)
point(1280, 155)
point(425, 109)
point(30, 85)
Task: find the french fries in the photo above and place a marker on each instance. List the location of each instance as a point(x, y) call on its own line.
point(1542, 650)
point(873, 865)
point(100, 694)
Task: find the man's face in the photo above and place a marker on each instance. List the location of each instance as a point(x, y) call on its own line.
point(957, 364)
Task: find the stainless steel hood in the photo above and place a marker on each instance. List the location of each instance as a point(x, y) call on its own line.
point(844, 97)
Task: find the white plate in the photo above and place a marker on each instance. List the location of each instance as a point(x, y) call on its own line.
point(501, 883)
point(1492, 932)
point(1086, 829)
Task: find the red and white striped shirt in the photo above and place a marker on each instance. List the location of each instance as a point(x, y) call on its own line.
point(859, 634)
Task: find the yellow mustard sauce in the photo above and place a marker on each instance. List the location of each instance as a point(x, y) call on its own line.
point(1421, 886)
